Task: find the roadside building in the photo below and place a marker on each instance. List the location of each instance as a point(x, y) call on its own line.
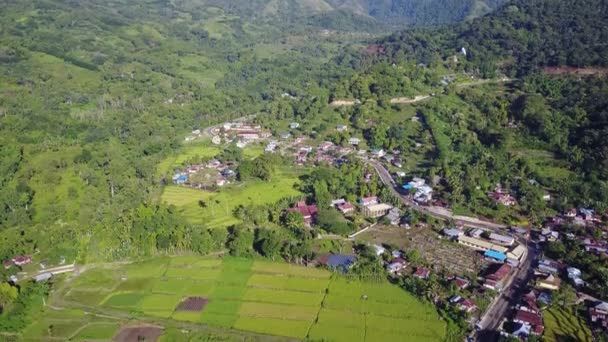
point(43, 277)
point(453, 233)
point(495, 255)
point(517, 253)
point(376, 210)
point(550, 282)
point(481, 245)
point(549, 266)
point(504, 240)
point(495, 280)
point(532, 320)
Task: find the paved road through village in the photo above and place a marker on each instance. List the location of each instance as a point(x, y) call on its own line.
point(499, 308)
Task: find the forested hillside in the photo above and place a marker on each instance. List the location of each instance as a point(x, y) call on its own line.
point(520, 38)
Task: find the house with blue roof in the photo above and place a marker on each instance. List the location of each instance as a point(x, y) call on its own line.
point(492, 254)
point(341, 261)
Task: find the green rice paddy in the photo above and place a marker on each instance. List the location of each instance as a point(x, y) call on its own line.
point(252, 296)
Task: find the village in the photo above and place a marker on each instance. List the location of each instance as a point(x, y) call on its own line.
point(500, 263)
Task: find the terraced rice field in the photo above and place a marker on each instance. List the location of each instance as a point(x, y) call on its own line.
point(261, 297)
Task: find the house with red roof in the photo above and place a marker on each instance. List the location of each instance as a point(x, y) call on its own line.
point(533, 320)
point(422, 273)
point(309, 212)
point(460, 283)
point(495, 280)
point(19, 260)
point(345, 207)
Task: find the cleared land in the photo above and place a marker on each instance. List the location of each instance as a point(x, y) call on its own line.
point(253, 296)
point(220, 205)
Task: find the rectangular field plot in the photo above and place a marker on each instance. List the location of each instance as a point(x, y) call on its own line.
point(414, 328)
point(159, 305)
point(288, 282)
point(96, 279)
point(123, 300)
point(152, 268)
point(97, 331)
point(228, 292)
point(340, 303)
point(296, 329)
point(373, 335)
point(226, 307)
point(87, 297)
point(337, 333)
point(192, 273)
point(287, 269)
point(291, 312)
point(187, 316)
point(283, 297)
point(218, 319)
point(170, 285)
point(343, 319)
point(135, 284)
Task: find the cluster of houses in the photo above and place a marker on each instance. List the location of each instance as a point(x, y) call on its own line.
point(207, 175)
point(527, 318)
point(243, 134)
point(423, 193)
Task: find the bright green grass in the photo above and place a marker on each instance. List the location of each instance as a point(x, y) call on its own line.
point(159, 304)
point(97, 331)
point(565, 325)
point(382, 335)
point(291, 312)
point(412, 327)
point(220, 206)
point(266, 297)
point(187, 316)
point(338, 333)
point(219, 319)
point(124, 300)
point(341, 318)
point(288, 269)
point(193, 273)
point(135, 284)
point(147, 269)
point(283, 297)
point(281, 327)
point(61, 329)
point(92, 297)
point(288, 283)
point(170, 285)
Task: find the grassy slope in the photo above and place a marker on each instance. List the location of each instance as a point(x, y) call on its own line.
point(565, 325)
point(220, 205)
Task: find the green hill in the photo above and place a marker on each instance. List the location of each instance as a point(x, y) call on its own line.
point(520, 37)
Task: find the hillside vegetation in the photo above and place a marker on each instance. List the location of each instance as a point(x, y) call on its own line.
point(520, 38)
